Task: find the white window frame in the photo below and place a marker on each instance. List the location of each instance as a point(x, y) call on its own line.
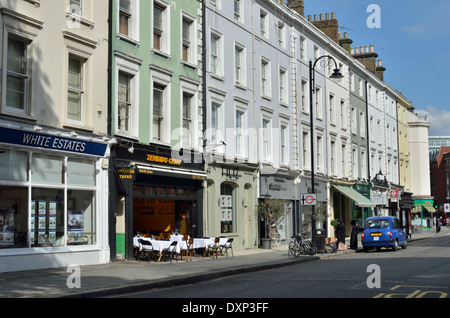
point(263, 24)
point(266, 138)
point(354, 120)
point(362, 124)
point(81, 91)
point(192, 90)
point(306, 149)
point(218, 69)
point(266, 78)
point(332, 109)
point(303, 49)
point(132, 70)
point(283, 86)
point(240, 76)
point(241, 144)
point(281, 34)
point(28, 42)
point(320, 155)
point(165, 30)
point(133, 22)
point(284, 144)
point(162, 80)
point(319, 111)
point(215, 134)
point(332, 157)
point(191, 42)
point(238, 10)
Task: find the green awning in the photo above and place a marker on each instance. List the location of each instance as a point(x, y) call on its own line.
point(354, 195)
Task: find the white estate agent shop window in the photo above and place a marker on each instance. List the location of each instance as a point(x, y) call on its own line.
point(46, 200)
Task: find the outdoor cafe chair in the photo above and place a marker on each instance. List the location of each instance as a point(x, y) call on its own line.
point(145, 249)
point(214, 248)
point(170, 251)
point(189, 249)
point(228, 245)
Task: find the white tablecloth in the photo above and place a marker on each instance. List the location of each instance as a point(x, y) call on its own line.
point(198, 242)
point(157, 244)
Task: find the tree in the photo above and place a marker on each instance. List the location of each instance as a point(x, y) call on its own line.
point(271, 210)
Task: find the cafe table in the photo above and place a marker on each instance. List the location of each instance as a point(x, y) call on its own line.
point(158, 245)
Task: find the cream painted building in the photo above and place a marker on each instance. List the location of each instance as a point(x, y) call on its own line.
point(403, 107)
point(53, 123)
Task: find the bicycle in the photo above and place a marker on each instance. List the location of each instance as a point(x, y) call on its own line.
point(300, 246)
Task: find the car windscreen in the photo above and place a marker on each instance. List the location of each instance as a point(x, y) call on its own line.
point(377, 223)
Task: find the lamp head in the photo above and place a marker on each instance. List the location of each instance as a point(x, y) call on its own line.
point(336, 74)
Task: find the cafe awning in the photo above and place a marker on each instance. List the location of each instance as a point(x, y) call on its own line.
point(354, 195)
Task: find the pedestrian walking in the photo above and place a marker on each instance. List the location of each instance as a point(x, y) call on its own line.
point(438, 225)
point(428, 223)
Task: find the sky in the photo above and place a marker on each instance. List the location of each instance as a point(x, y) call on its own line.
point(412, 39)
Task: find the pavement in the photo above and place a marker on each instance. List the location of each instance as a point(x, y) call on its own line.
point(132, 276)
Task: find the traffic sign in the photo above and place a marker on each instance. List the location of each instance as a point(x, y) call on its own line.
point(446, 207)
point(393, 193)
point(308, 199)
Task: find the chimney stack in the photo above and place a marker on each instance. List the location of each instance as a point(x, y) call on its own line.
point(297, 5)
point(368, 58)
point(328, 26)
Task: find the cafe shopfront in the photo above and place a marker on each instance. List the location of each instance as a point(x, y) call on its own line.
point(53, 198)
point(157, 192)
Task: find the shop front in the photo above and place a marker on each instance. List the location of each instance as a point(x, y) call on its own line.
point(231, 206)
point(281, 187)
point(156, 193)
point(349, 204)
point(321, 189)
point(53, 198)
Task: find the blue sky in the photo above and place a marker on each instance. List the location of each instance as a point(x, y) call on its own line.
point(413, 43)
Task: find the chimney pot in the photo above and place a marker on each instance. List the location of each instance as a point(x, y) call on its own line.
point(309, 18)
point(327, 16)
point(321, 16)
point(345, 35)
point(333, 15)
point(315, 17)
point(371, 48)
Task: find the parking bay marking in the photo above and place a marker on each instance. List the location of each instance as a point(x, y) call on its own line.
point(415, 294)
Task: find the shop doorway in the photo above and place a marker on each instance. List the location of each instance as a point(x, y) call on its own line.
point(157, 216)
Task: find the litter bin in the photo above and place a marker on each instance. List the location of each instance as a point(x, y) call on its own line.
point(320, 241)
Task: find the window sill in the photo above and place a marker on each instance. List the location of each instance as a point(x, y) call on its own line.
point(161, 53)
point(189, 64)
point(128, 39)
point(76, 18)
point(218, 77)
point(77, 127)
point(19, 115)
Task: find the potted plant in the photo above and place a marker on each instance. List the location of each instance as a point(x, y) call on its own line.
point(270, 210)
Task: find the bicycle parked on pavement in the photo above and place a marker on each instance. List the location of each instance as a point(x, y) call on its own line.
point(299, 245)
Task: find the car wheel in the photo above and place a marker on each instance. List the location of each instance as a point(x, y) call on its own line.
point(395, 247)
point(366, 249)
point(404, 246)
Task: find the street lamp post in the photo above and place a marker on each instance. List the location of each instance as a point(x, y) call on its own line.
point(326, 60)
